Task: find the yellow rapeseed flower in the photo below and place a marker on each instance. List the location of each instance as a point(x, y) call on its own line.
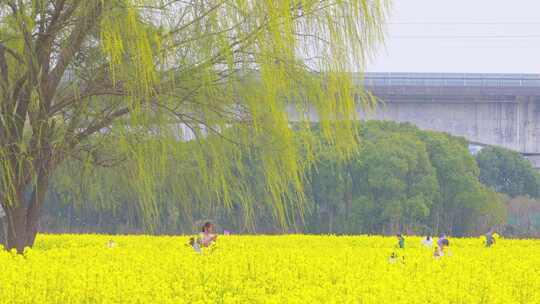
point(268, 269)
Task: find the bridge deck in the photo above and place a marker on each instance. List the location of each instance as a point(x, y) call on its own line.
point(427, 87)
point(491, 109)
point(452, 79)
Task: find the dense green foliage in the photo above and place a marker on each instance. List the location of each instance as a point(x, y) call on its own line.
point(401, 179)
point(404, 179)
point(508, 172)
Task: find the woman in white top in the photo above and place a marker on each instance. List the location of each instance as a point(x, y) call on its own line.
point(428, 241)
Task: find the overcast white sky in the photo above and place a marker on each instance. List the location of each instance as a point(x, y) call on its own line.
point(469, 36)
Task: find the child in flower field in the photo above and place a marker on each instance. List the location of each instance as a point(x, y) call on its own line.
point(111, 244)
point(401, 241)
point(491, 238)
point(490, 241)
point(194, 244)
point(442, 238)
point(394, 258)
point(439, 249)
point(437, 253)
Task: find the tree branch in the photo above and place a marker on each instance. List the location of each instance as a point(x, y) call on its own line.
point(186, 118)
point(13, 54)
point(75, 40)
point(98, 91)
point(4, 74)
point(98, 125)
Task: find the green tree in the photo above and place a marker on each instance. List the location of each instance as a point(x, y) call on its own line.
point(463, 198)
point(75, 73)
point(394, 173)
point(331, 194)
point(387, 186)
point(508, 172)
point(392, 183)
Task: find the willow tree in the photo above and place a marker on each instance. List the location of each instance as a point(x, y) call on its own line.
point(221, 73)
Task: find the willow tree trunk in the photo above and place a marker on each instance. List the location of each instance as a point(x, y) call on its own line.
point(20, 232)
point(22, 227)
point(22, 216)
point(16, 232)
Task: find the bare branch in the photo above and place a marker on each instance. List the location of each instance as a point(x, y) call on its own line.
point(187, 119)
point(198, 18)
point(100, 124)
point(13, 54)
point(74, 98)
point(75, 40)
point(4, 74)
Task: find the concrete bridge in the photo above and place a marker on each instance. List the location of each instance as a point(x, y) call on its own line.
point(487, 109)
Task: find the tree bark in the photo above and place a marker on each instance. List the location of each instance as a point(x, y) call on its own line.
point(23, 217)
point(35, 203)
point(21, 228)
point(3, 230)
point(16, 234)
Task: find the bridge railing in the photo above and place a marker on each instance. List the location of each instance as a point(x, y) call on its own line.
point(457, 80)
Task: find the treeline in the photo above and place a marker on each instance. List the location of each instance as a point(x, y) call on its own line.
point(404, 179)
point(401, 179)
point(509, 173)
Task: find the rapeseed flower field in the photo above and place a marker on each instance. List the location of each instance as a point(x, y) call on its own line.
point(269, 269)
